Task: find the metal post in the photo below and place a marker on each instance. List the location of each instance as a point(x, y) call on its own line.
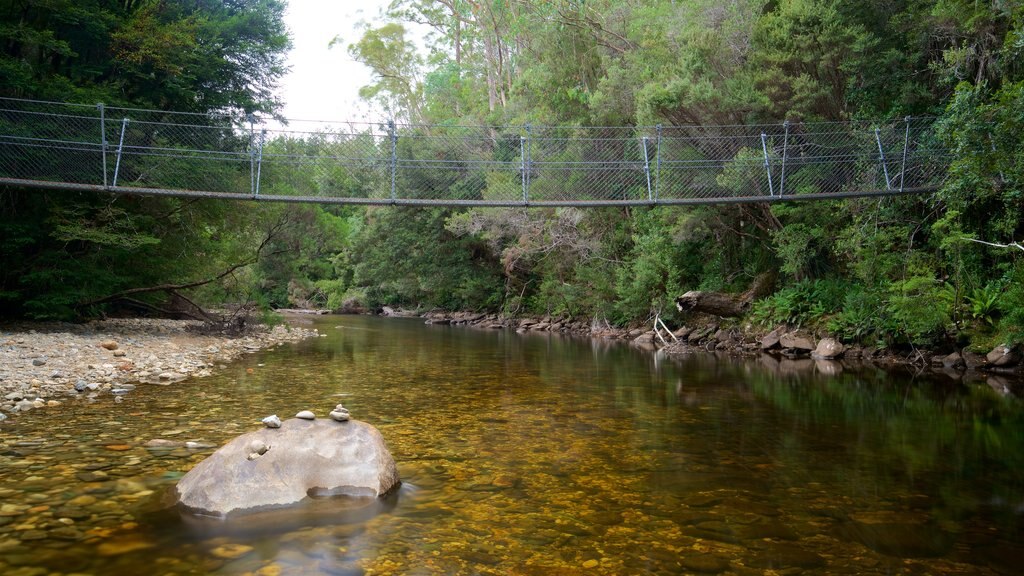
point(522, 168)
point(906, 144)
point(252, 155)
point(767, 164)
point(657, 165)
point(647, 170)
point(103, 139)
point(527, 165)
point(120, 146)
point(394, 155)
point(881, 156)
point(785, 144)
point(259, 161)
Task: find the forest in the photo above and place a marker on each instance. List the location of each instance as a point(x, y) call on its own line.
point(940, 270)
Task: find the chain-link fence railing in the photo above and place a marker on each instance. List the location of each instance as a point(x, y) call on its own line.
point(158, 152)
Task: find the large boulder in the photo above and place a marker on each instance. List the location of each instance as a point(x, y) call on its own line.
point(1003, 356)
point(278, 467)
point(796, 341)
point(828, 348)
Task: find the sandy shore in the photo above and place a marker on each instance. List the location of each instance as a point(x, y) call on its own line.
point(44, 364)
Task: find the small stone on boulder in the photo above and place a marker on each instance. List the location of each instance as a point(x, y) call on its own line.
point(272, 421)
point(306, 415)
point(1003, 356)
point(340, 414)
point(828, 349)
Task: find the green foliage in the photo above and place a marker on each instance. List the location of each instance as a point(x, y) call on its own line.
point(917, 307)
point(894, 270)
point(398, 262)
point(1011, 305)
point(806, 302)
point(983, 303)
point(863, 318)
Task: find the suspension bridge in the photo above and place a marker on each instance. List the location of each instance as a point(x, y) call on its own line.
point(101, 149)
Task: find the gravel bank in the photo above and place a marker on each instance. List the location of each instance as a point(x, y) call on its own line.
point(44, 364)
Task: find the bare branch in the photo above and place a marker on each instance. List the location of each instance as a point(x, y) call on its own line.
point(1016, 245)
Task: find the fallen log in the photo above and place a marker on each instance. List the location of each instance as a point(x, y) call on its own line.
point(723, 304)
point(716, 303)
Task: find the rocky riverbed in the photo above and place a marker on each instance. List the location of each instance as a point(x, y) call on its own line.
point(46, 364)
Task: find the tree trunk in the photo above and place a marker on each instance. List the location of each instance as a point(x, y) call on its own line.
point(717, 303)
point(726, 305)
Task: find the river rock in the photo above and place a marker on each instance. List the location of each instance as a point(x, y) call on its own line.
point(38, 361)
point(1003, 356)
point(796, 341)
point(771, 339)
point(304, 458)
point(340, 414)
point(306, 415)
point(3, 417)
point(272, 421)
point(644, 338)
point(972, 360)
point(953, 360)
point(109, 344)
point(828, 349)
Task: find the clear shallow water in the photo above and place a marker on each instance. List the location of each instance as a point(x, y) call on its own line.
point(534, 454)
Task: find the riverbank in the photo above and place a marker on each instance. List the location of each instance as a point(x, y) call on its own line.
point(45, 364)
point(787, 348)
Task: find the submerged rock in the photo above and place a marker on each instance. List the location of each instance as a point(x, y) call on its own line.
point(303, 458)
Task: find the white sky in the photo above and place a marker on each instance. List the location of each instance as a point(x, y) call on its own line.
point(324, 82)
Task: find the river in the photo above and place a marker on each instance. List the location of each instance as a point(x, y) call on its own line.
point(537, 454)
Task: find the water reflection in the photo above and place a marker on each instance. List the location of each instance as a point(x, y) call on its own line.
point(537, 454)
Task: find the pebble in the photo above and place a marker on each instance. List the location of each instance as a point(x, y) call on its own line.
point(340, 414)
point(3, 417)
point(231, 551)
point(306, 415)
point(194, 445)
point(272, 421)
point(52, 359)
